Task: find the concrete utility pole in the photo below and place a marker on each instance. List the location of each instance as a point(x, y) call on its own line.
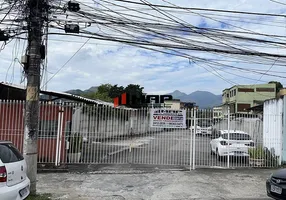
point(35, 24)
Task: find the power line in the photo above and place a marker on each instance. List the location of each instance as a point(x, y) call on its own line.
point(180, 54)
point(8, 11)
point(66, 62)
point(278, 2)
point(205, 9)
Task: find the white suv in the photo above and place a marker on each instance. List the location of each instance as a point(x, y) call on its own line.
point(237, 144)
point(14, 183)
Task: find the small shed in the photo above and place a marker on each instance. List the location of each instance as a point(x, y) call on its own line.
point(56, 117)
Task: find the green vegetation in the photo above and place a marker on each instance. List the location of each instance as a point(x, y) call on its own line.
point(256, 153)
point(39, 197)
point(106, 92)
point(278, 85)
point(263, 153)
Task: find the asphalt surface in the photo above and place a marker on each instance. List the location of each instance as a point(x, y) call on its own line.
point(154, 167)
point(132, 184)
point(165, 148)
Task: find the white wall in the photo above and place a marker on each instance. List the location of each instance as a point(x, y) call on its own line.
point(272, 126)
point(92, 128)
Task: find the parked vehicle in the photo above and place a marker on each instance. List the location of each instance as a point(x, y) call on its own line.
point(206, 126)
point(276, 185)
point(14, 183)
point(236, 145)
point(206, 131)
point(198, 130)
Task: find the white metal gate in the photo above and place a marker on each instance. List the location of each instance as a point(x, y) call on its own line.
point(232, 141)
point(94, 134)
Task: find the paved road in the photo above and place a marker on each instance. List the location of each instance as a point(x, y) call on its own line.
point(211, 184)
point(165, 148)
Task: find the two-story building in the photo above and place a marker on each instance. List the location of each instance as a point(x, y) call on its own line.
point(241, 97)
point(174, 104)
point(217, 112)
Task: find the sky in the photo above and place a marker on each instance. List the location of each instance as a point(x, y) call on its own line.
point(100, 62)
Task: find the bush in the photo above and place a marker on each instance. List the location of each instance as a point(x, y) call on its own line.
point(256, 153)
point(270, 160)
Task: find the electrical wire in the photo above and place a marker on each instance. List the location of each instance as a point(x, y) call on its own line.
point(66, 62)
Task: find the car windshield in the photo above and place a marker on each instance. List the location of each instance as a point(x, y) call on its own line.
point(236, 136)
point(9, 154)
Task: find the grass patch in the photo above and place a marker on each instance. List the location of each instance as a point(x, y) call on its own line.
point(39, 197)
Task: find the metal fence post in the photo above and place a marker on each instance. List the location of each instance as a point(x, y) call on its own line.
point(228, 127)
point(191, 137)
point(194, 140)
point(59, 134)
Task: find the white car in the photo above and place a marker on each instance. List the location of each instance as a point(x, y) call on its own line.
point(238, 144)
point(198, 130)
point(206, 131)
point(14, 183)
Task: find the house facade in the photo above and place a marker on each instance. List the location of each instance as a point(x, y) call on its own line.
point(56, 120)
point(174, 104)
point(239, 98)
point(217, 112)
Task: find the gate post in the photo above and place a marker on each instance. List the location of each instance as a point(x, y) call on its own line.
point(228, 127)
point(194, 139)
point(190, 111)
point(283, 160)
point(59, 135)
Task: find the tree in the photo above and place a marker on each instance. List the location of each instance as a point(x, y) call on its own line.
point(279, 86)
point(115, 91)
point(106, 92)
point(135, 92)
point(134, 89)
point(104, 88)
point(102, 93)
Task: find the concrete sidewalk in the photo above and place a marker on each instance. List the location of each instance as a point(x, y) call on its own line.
point(162, 185)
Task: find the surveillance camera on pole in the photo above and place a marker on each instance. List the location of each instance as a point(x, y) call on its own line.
point(72, 28)
point(4, 36)
point(73, 7)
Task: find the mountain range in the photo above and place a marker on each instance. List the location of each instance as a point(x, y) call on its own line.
point(82, 92)
point(203, 99)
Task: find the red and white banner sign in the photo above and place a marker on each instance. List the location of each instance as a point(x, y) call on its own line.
point(164, 118)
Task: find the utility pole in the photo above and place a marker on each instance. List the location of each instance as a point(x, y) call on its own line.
point(35, 20)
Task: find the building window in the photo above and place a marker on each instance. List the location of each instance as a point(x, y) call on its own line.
point(227, 95)
point(242, 107)
point(245, 90)
point(234, 92)
point(48, 128)
point(265, 90)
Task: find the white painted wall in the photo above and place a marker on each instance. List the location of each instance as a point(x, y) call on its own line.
point(92, 128)
point(272, 126)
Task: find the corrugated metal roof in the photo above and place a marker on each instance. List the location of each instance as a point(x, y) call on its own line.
point(76, 98)
point(61, 95)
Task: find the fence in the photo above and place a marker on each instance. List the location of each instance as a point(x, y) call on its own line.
point(71, 133)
